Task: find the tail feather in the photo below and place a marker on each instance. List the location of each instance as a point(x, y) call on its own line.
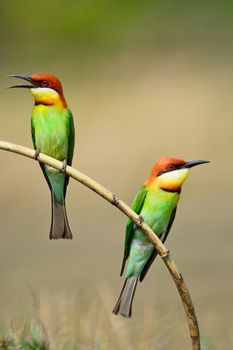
point(124, 303)
point(59, 223)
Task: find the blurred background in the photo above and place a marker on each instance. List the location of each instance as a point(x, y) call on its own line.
point(143, 79)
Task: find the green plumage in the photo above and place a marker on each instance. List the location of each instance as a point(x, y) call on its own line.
point(53, 134)
point(157, 208)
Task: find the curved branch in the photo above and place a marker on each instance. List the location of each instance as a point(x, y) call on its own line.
point(113, 199)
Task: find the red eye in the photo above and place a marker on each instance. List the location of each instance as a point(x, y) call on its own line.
point(171, 167)
point(44, 83)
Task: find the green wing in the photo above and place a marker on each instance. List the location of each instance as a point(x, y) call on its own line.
point(33, 135)
point(154, 253)
point(136, 206)
point(71, 139)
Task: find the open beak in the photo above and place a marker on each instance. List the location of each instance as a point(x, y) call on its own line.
point(193, 163)
point(24, 77)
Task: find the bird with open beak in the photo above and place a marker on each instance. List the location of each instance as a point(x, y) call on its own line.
point(52, 129)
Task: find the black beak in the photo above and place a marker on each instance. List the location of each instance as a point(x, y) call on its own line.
point(193, 163)
point(24, 77)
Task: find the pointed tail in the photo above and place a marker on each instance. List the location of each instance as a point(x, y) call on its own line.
point(124, 303)
point(59, 224)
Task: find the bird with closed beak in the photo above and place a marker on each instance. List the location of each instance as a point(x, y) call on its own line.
point(156, 203)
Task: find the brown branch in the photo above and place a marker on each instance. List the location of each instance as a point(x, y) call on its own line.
point(113, 199)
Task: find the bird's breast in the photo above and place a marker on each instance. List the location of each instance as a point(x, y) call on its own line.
point(50, 131)
point(157, 209)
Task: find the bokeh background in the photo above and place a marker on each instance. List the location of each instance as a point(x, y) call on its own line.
point(143, 79)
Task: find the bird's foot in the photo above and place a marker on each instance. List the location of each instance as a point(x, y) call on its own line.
point(64, 166)
point(115, 200)
point(165, 254)
point(141, 220)
point(36, 155)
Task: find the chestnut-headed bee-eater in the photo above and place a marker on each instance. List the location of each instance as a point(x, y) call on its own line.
point(52, 129)
point(156, 203)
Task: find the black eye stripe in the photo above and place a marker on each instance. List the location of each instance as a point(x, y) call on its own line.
point(40, 83)
point(169, 168)
point(43, 84)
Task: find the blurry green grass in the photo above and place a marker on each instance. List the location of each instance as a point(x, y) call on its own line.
point(29, 339)
point(75, 28)
point(64, 323)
